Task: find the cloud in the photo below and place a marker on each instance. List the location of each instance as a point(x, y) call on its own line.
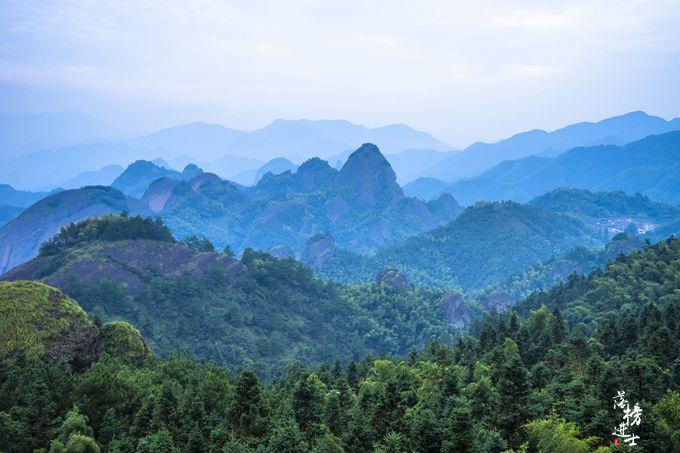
point(432, 64)
point(530, 70)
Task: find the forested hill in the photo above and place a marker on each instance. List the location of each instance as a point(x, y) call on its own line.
point(258, 311)
point(486, 244)
point(541, 378)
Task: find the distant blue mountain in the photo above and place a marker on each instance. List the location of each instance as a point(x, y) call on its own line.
point(302, 138)
point(424, 188)
point(411, 163)
point(650, 166)
point(71, 144)
point(102, 177)
point(618, 130)
point(9, 196)
point(21, 133)
point(49, 168)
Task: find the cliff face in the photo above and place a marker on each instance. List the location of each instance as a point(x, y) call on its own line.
point(369, 175)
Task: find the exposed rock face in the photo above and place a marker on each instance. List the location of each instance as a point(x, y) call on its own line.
point(455, 311)
point(212, 186)
point(100, 261)
point(315, 174)
point(158, 195)
point(369, 175)
point(319, 249)
point(622, 243)
point(281, 252)
point(389, 276)
point(500, 300)
point(21, 239)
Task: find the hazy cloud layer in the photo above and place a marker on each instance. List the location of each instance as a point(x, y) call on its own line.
point(461, 70)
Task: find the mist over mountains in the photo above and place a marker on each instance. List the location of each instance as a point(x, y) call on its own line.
point(649, 166)
point(84, 151)
point(618, 130)
point(57, 158)
point(353, 203)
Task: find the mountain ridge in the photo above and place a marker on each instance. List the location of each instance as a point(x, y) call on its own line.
point(481, 156)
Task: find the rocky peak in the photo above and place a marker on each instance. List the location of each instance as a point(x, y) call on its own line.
point(160, 192)
point(390, 276)
point(319, 249)
point(445, 204)
point(314, 174)
point(138, 175)
point(191, 171)
point(370, 175)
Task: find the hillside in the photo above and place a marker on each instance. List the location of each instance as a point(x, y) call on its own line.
point(37, 321)
point(618, 130)
point(613, 211)
point(487, 243)
point(254, 312)
point(514, 381)
point(21, 238)
point(650, 166)
point(8, 213)
point(547, 274)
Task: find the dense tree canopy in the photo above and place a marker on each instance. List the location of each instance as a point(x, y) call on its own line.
point(541, 377)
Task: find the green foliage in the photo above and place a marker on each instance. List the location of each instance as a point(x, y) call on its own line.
point(556, 435)
point(198, 244)
point(75, 435)
point(270, 314)
point(540, 378)
point(108, 228)
point(122, 340)
point(487, 244)
point(36, 318)
point(668, 412)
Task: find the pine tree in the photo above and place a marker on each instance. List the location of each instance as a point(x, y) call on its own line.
point(513, 388)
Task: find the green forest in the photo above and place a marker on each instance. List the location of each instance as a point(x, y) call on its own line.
point(258, 312)
point(540, 377)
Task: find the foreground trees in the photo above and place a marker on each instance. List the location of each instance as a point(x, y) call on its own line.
point(539, 378)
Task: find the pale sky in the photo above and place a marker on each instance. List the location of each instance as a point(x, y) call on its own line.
point(463, 71)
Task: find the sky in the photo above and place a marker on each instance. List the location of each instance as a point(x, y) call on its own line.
point(463, 71)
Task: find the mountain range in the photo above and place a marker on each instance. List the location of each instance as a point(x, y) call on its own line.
point(493, 243)
point(650, 166)
point(361, 205)
point(22, 133)
point(227, 151)
point(237, 155)
point(486, 244)
point(618, 130)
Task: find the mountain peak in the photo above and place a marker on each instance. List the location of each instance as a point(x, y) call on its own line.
point(138, 175)
point(369, 174)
